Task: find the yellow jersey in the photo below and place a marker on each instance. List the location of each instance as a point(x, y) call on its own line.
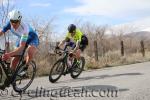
point(76, 37)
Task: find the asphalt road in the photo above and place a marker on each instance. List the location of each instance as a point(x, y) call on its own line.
point(129, 82)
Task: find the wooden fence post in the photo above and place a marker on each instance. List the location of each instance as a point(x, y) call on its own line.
point(122, 48)
point(142, 48)
point(96, 50)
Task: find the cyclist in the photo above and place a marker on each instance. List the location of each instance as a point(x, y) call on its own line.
point(25, 35)
point(77, 40)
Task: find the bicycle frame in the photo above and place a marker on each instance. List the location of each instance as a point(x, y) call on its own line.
point(7, 69)
point(65, 53)
point(61, 66)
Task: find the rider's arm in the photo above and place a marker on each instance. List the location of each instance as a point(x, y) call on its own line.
point(63, 42)
point(5, 28)
point(18, 50)
point(77, 46)
point(1, 33)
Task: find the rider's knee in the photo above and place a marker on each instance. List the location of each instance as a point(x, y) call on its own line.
point(31, 51)
point(15, 59)
point(78, 53)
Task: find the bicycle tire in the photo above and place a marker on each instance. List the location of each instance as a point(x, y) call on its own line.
point(14, 83)
point(61, 70)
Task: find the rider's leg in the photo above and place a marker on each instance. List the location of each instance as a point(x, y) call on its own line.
point(14, 63)
point(79, 51)
point(30, 53)
point(78, 54)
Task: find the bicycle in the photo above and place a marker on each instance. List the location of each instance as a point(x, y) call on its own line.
point(61, 66)
point(15, 79)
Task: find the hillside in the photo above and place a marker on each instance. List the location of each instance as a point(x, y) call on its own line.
point(142, 35)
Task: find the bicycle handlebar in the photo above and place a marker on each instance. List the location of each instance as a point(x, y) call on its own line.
point(2, 51)
point(60, 51)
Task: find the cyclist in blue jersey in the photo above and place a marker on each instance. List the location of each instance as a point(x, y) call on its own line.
point(25, 35)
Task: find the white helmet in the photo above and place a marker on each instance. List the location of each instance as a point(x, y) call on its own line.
point(14, 15)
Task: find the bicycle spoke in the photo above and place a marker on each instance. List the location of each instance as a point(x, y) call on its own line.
point(56, 71)
point(24, 80)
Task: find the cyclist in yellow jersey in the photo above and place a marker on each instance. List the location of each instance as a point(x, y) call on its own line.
point(75, 36)
point(77, 40)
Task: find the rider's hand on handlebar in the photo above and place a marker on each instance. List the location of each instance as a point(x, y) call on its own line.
point(6, 56)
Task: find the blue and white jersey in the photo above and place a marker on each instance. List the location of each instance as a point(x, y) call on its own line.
point(24, 32)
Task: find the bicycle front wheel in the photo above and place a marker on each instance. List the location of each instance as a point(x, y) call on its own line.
point(23, 80)
point(56, 71)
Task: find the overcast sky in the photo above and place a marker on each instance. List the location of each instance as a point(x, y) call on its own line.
point(99, 12)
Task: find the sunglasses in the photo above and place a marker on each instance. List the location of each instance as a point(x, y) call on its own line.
point(14, 21)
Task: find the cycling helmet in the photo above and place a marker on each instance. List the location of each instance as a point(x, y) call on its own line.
point(14, 15)
point(71, 28)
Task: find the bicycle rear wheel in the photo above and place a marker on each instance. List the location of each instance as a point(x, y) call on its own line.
point(77, 67)
point(22, 82)
point(56, 71)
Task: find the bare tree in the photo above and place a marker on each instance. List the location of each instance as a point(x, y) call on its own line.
point(100, 32)
point(45, 31)
point(4, 9)
point(88, 29)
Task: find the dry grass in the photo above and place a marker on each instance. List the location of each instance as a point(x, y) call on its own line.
point(110, 59)
point(114, 59)
point(44, 65)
